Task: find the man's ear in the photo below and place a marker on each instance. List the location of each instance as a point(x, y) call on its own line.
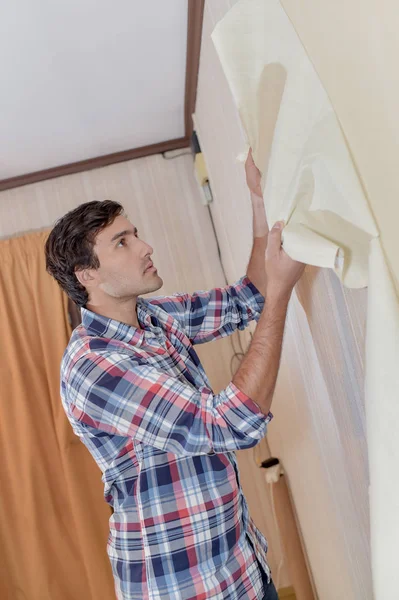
point(84, 276)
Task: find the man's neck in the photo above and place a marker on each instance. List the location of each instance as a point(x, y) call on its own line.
point(123, 311)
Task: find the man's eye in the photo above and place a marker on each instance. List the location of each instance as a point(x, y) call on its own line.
point(120, 242)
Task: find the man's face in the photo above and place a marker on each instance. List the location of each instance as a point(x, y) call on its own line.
point(126, 269)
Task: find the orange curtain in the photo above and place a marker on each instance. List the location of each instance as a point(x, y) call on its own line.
point(53, 518)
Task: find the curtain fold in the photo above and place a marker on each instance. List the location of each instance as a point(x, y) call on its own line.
point(54, 521)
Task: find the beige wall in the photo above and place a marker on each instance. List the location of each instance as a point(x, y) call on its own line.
point(319, 430)
point(162, 199)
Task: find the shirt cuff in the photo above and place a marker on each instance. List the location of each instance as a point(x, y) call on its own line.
point(238, 417)
point(250, 294)
point(239, 398)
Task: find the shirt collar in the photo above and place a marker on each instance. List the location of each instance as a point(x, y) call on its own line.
point(100, 326)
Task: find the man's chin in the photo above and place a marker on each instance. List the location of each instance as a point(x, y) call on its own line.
point(155, 285)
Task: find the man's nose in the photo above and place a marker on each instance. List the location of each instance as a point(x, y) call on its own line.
point(148, 249)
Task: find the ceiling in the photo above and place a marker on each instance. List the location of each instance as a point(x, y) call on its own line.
point(87, 78)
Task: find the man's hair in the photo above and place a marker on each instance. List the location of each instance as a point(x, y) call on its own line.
point(71, 241)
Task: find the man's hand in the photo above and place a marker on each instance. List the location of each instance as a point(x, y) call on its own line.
point(253, 175)
point(281, 271)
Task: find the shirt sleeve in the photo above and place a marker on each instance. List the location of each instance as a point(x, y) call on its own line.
point(113, 394)
point(206, 316)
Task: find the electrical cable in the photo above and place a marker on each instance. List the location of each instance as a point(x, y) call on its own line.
point(241, 352)
point(280, 565)
point(236, 354)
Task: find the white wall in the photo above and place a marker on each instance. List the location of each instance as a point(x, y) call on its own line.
point(319, 430)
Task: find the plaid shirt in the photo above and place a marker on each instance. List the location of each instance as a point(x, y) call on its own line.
point(140, 401)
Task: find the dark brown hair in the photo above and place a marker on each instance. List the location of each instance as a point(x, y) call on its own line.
point(70, 244)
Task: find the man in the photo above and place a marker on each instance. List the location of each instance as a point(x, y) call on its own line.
point(136, 394)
